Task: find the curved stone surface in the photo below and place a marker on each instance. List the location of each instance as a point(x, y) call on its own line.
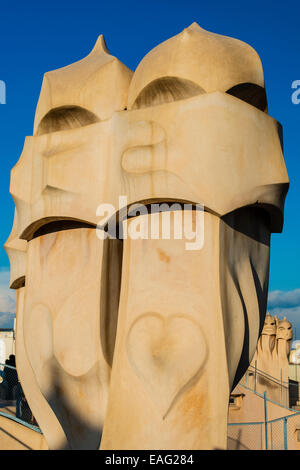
point(145, 338)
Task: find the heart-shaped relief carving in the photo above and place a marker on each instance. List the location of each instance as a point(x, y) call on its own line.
point(167, 354)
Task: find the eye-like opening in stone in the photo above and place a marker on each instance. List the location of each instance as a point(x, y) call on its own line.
point(250, 93)
point(48, 225)
point(65, 118)
point(166, 90)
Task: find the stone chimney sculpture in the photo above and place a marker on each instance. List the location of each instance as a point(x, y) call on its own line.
point(271, 358)
point(281, 352)
point(142, 340)
point(266, 344)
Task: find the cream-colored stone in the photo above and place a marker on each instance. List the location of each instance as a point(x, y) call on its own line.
point(265, 345)
point(87, 91)
point(41, 408)
point(16, 250)
point(62, 331)
point(188, 321)
point(211, 61)
point(281, 351)
point(139, 154)
point(177, 355)
point(269, 370)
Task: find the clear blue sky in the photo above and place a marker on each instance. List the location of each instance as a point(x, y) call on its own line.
point(38, 36)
